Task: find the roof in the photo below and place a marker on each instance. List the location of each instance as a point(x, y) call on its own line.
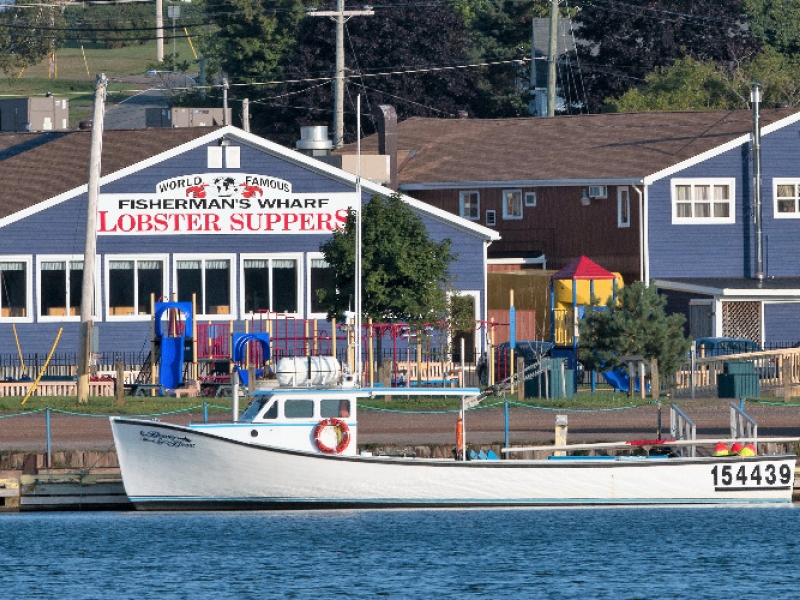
point(583, 268)
point(54, 166)
point(732, 286)
point(46, 165)
point(622, 146)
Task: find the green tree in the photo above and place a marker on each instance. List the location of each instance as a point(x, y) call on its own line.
point(693, 85)
point(28, 33)
point(635, 325)
point(404, 272)
point(628, 41)
point(776, 23)
point(251, 36)
point(686, 85)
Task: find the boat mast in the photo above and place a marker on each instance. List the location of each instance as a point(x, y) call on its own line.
point(90, 248)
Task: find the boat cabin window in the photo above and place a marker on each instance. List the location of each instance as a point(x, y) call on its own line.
point(254, 408)
point(334, 408)
point(271, 412)
point(298, 409)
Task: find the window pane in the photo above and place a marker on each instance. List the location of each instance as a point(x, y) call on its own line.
point(256, 285)
point(722, 209)
point(785, 191)
point(120, 287)
point(702, 209)
point(190, 282)
point(513, 204)
point(786, 206)
point(150, 275)
point(75, 287)
point(684, 210)
point(284, 281)
point(218, 287)
point(321, 280)
point(53, 295)
point(721, 192)
point(683, 192)
point(298, 409)
point(13, 289)
point(702, 192)
point(334, 408)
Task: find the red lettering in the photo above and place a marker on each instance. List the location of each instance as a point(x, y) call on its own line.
point(306, 223)
point(272, 219)
point(212, 222)
point(324, 222)
point(102, 225)
point(289, 220)
point(236, 222)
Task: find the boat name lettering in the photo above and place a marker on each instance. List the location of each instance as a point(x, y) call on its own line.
point(166, 440)
point(755, 476)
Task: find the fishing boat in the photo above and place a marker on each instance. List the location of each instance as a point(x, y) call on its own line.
point(296, 448)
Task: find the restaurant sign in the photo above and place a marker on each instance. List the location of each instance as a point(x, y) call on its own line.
point(223, 203)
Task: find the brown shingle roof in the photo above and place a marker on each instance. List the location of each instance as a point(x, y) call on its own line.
point(606, 146)
point(37, 166)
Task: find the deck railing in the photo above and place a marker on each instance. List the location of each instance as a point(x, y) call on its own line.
point(778, 371)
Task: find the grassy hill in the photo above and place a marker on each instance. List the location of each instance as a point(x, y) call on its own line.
point(77, 68)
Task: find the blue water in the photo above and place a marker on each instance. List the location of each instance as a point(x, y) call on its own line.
point(630, 553)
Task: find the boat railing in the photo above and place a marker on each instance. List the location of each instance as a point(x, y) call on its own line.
point(743, 425)
point(682, 428)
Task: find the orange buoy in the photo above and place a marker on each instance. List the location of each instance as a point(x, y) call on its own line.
point(736, 448)
point(459, 434)
point(748, 450)
point(721, 450)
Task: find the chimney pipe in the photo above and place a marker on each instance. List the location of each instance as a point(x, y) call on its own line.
point(386, 121)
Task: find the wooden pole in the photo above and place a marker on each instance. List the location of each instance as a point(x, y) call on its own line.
point(90, 248)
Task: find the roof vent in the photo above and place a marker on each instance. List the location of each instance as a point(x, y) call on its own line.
point(314, 140)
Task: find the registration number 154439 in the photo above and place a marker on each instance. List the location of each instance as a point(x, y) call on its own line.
point(751, 476)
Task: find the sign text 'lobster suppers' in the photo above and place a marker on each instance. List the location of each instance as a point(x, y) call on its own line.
point(222, 204)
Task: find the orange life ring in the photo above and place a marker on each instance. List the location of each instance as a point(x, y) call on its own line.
point(342, 434)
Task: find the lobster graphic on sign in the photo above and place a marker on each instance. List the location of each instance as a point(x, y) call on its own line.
point(196, 191)
point(251, 190)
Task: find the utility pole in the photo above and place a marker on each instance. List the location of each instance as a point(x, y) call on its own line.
point(339, 15)
point(90, 248)
point(551, 59)
point(160, 30)
point(225, 101)
point(246, 114)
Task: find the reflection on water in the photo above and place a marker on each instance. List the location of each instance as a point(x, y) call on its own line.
point(697, 553)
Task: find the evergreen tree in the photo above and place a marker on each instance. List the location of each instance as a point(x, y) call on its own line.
point(404, 273)
point(635, 325)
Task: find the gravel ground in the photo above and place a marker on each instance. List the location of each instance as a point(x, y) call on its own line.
point(484, 426)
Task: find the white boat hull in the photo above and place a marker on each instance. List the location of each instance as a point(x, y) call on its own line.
point(173, 467)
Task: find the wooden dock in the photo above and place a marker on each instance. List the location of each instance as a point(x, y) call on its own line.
point(60, 491)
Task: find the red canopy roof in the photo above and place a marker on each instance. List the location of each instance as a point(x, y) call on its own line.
point(583, 268)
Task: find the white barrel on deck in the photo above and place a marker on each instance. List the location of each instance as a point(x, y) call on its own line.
point(308, 370)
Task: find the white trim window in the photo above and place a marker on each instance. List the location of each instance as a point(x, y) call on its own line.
point(623, 207)
point(130, 282)
point(271, 283)
point(469, 205)
point(703, 201)
point(786, 198)
point(530, 198)
point(319, 277)
point(59, 280)
point(210, 279)
point(16, 288)
point(512, 204)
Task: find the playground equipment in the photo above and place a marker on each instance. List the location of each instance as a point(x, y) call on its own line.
point(571, 291)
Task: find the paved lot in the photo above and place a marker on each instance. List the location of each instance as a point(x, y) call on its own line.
point(68, 432)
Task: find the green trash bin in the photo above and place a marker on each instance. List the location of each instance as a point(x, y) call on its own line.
point(738, 385)
point(743, 367)
point(553, 382)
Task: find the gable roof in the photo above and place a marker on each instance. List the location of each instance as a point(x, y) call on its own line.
point(623, 147)
point(38, 166)
point(53, 167)
point(583, 268)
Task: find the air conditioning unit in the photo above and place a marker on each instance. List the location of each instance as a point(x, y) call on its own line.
point(598, 191)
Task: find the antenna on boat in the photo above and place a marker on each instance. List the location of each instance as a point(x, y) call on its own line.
point(357, 323)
